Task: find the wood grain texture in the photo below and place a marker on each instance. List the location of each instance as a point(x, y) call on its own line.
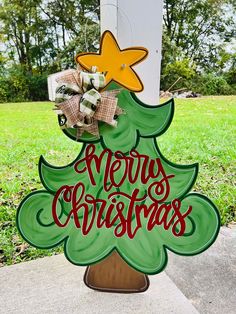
point(113, 274)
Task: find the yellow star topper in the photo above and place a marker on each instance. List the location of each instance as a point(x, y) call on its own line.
point(116, 63)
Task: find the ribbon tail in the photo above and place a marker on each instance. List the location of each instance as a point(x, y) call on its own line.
point(107, 109)
point(70, 108)
point(92, 129)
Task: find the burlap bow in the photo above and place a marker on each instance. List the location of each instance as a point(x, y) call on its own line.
point(80, 104)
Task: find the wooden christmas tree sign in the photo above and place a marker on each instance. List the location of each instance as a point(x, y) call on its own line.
point(121, 205)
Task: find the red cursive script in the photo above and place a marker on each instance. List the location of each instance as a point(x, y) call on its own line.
point(121, 211)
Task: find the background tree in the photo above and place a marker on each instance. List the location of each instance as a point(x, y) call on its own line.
point(22, 26)
point(198, 31)
point(73, 27)
point(39, 37)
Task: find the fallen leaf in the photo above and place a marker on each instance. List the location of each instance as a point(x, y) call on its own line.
point(22, 248)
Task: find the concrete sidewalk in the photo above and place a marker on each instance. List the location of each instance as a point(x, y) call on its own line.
point(208, 280)
point(53, 285)
point(201, 284)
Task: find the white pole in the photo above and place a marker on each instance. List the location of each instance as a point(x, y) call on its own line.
point(138, 23)
point(109, 9)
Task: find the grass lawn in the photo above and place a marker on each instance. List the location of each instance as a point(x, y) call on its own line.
point(203, 130)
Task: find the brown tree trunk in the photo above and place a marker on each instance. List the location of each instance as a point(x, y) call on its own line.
point(113, 274)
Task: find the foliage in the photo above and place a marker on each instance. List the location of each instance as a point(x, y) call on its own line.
point(202, 32)
point(18, 85)
point(24, 32)
point(14, 86)
point(211, 84)
point(37, 85)
point(199, 28)
point(178, 69)
point(230, 75)
point(203, 83)
point(43, 36)
point(39, 33)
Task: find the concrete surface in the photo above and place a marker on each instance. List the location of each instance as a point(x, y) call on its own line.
point(53, 285)
point(208, 280)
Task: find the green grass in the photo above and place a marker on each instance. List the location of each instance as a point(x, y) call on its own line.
point(203, 131)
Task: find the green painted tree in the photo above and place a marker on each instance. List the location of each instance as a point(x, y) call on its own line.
point(137, 130)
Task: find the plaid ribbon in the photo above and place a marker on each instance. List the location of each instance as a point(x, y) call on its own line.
point(80, 105)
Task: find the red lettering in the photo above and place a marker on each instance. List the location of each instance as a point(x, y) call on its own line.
point(116, 169)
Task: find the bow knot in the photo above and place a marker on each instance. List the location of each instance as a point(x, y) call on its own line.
point(80, 104)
